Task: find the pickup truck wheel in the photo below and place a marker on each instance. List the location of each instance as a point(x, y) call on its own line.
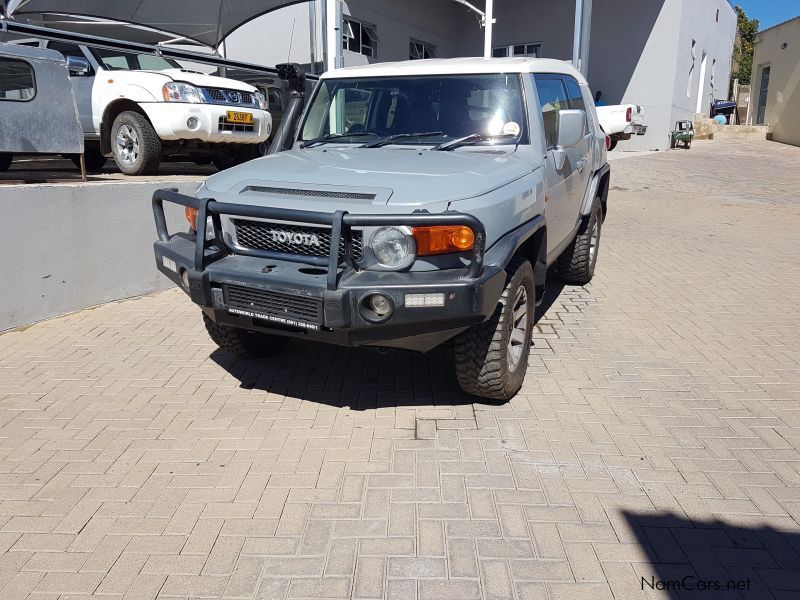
point(136, 145)
point(576, 264)
point(491, 358)
point(6, 158)
point(247, 344)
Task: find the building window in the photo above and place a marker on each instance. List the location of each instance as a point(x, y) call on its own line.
point(717, 15)
point(691, 70)
point(419, 50)
point(530, 50)
point(16, 80)
point(360, 38)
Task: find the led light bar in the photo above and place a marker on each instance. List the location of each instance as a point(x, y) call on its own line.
point(423, 300)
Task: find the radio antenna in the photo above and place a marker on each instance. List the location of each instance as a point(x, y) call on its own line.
point(291, 41)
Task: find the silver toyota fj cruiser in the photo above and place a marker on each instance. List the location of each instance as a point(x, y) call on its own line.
point(405, 205)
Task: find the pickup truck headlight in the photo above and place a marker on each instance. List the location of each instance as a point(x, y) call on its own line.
point(259, 98)
point(393, 247)
point(175, 91)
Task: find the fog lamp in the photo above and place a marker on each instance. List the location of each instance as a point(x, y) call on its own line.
point(192, 122)
point(380, 304)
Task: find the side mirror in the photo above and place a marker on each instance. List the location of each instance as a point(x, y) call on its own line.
point(571, 127)
point(78, 67)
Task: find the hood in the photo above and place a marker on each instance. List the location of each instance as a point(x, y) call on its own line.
point(203, 80)
point(372, 177)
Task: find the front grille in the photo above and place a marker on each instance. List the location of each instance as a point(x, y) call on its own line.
point(292, 239)
point(261, 189)
point(219, 96)
point(235, 127)
point(273, 303)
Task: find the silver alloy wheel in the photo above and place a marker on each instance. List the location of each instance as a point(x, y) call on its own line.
point(128, 145)
point(519, 328)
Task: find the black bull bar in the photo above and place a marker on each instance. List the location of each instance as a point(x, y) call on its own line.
point(341, 223)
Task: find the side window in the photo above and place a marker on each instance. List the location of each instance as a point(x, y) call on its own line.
point(17, 82)
point(553, 98)
point(66, 49)
point(576, 101)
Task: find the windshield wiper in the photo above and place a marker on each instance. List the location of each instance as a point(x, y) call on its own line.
point(400, 136)
point(471, 139)
point(334, 136)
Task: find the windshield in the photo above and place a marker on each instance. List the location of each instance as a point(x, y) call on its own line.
point(114, 60)
point(445, 107)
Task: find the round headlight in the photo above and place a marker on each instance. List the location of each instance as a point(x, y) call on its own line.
point(393, 247)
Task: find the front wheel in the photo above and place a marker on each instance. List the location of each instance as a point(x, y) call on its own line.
point(491, 358)
point(136, 145)
point(576, 265)
point(240, 342)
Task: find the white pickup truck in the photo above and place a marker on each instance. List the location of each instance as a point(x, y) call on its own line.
point(621, 121)
point(140, 108)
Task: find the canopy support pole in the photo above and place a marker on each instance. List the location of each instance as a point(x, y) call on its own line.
point(576, 36)
point(586, 35)
point(333, 34)
point(489, 22)
point(582, 36)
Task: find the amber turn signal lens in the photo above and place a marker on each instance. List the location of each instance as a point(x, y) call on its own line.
point(191, 216)
point(443, 239)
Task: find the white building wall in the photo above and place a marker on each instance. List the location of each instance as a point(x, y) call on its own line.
point(640, 49)
point(438, 22)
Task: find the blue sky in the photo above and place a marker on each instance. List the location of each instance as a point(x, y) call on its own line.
point(770, 12)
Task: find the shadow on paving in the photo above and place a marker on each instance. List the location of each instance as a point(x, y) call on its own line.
point(362, 378)
point(713, 559)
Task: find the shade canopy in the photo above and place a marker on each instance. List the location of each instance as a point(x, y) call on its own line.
point(207, 22)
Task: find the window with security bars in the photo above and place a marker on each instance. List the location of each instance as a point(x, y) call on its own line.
point(420, 50)
point(529, 50)
point(360, 38)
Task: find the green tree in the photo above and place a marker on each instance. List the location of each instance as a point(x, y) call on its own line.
point(745, 43)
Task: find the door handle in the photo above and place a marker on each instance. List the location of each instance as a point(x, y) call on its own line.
point(581, 165)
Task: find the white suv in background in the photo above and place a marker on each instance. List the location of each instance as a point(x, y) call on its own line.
point(141, 108)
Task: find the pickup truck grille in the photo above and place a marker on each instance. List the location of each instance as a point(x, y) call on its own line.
point(234, 97)
point(273, 303)
point(292, 239)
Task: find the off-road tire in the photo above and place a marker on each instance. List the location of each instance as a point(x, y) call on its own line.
point(481, 352)
point(576, 264)
point(6, 158)
point(149, 156)
point(240, 342)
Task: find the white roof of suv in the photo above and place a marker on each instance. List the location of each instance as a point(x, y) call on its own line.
point(458, 66)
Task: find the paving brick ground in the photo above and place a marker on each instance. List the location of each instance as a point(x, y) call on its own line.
point(656, 437)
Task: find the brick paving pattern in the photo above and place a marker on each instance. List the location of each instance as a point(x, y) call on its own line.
point(656, 436)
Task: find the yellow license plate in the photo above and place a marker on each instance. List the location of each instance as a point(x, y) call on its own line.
point(240, 118)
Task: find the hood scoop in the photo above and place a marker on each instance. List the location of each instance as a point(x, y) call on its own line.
point(359, 195)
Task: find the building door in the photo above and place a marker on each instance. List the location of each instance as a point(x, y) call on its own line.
point(763, 93)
